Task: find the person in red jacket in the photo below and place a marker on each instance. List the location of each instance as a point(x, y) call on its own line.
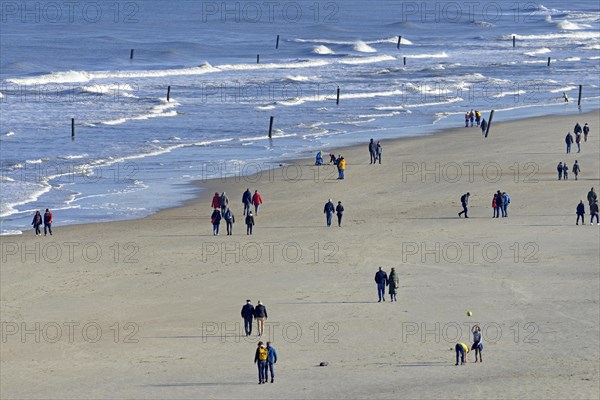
point(47, 222)
point(216, 201)
point(257, 201)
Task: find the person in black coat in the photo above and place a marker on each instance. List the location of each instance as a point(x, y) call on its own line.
point(580, 212)
point(249, 223)
point(381, 279)
point(248, 315)
point(372, 150)
point(340, 212)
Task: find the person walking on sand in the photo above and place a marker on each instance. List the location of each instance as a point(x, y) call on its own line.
point(462, 350)
point(48, 222)
point(594, 213)
point(464, 201)
point(341, 168)
point(576, 169)
point(565, 172)
point(394, 284)
point(580, 213)
point(578, 141)
point(569, 141)
point(328, 211)
point(216, 201)
point(381, 279)
point(257, 201)
point(505, 203)
point(260, 359)
point(477, 117)
point(248, 316)
point(37, 222)
point(592, 197)
point(586, 130)
point(472, 117)
point(260, 314)
point(467, 119)
point(247, 200)
point(215, 220)
point(223, 203)
point(577, 129)
point(378, 152)
point(565, 97)
point(271, 361)
point(499, 204)
point(477, 345)
point(372, 150)
point(484, 126)
point(339, 210)
point(229, 220)
point(494, 206)
point(249, 223)
point(559, 168)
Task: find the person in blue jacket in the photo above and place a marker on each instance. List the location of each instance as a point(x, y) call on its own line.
point(271, 360)
point(328, 211)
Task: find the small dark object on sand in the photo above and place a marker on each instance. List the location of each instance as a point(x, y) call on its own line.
point(323, 364)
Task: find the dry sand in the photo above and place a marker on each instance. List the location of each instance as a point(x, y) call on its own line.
point(167, 295)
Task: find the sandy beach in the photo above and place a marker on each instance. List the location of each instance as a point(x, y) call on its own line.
point(150, 308)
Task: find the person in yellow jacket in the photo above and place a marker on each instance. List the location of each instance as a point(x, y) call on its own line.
point(462, 350)
point(341, 168)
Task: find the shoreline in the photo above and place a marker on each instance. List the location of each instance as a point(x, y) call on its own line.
point(204, 186)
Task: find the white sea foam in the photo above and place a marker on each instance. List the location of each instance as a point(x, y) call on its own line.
point(302, 78)
point(323, 50)
point(434, 55)
point(165, 109)
point(393, 39)
point(10, 232)
point(509, 93)
point(563, 89)
point(265, 108)
point(365, 60)
point(451, 100)
point(549, 36)
point(9, 134)
point(363, 47)
point(74, 156)
point(537, 52)
point(572, 59)
point(571, 26)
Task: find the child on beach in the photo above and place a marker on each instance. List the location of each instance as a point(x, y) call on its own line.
point(477, 345)
point(462, 350)
point(215, 220)
point(249, 223)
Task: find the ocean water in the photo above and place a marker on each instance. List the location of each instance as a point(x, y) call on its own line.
point(135, 152)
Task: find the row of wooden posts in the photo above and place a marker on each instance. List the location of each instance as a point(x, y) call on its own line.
point(337, 102)
point(514, 39)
